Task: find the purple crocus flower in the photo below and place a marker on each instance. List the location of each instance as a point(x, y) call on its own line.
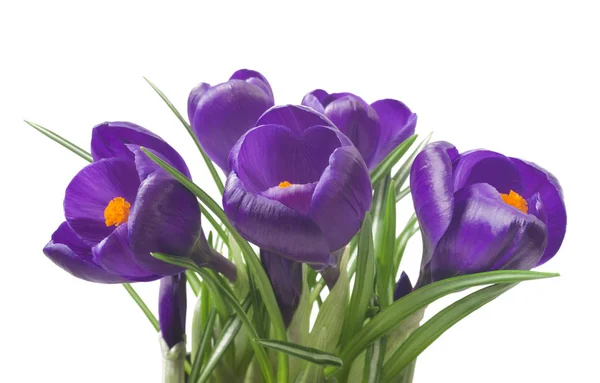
point(298, 187)
point(375, 129)
point(403, 287)
point(172, 307)
point(221, 114)
point(481, 211)
point(286, 278)
point(123, 206)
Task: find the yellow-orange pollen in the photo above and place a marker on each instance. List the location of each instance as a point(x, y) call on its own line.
point(515, 200)
point(284, 184)
point(117, 211)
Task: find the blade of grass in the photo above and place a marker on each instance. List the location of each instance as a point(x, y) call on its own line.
point(385, 166)
point(209, 164)
point(199, 355)
point(385, 251)
point(310, 354)
point(61, 140)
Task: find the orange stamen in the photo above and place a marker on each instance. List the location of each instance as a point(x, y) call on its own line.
point(117, 211)
point(515, 200)
point(284, 184)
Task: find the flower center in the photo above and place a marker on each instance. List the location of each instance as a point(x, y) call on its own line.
point(117, 211)
point(284, 184)
point(515, 200)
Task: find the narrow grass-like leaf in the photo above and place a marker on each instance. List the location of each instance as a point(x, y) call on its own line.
point(385, 166)
point(198, 355)
point(209, 164)
point(194, 282)
point(385, 252)
point(402, 174)
point(142, 305)
point(362, 291)
point(230, 330)
point(408, 231)
point(374, 361)
point(394, 314)
point(61, 140)
point(422, 337)
point(256, 270)
point(403, 193)
point(216, 286)
point(310, 354)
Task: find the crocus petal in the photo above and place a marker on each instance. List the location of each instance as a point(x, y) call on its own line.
point(477, 166)
point(74, 256)
point(110, 139)
point(342, 197)
point(224, 113)
point(271, 154)
point(315, 100)
point(359, 122)
point(194, 97)
point(297, 197)
point(432, 189)
point(538, 180)
point(273, 226)
point(286, 279)
point(90, 192)
point(115, 255)
point(487, 234)
point(397, 124)
point(165, 219)
point(403, 287)
point(172, 305)
point(295, 117)
point(255, 78)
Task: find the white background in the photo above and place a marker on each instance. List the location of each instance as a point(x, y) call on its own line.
point(519, 77)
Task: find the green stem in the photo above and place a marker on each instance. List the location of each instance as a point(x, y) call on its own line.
point(142, 305)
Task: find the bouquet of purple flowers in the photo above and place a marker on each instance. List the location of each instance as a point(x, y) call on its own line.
point(309, 203)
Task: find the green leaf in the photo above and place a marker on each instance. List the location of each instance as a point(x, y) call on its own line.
point(402, 240)
point(394, 314)
point(219, 289)
point(63, 141)
point(142, 306)
point(374, 361)
point(193, 281)
point(256, 270)
point(403, 193)
point(242, 283)
point(402, 174)
point(203, 340)
point(385, 252)
point(310, 354)
point(230, 330)
point(385, 166)
point(298, 329)
point(330, 320)
point(422, 337)
point(362, 291)
point(209, 164)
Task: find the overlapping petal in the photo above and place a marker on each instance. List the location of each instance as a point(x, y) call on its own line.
point(110, 139)
point(397, 124)
point(286, 278)
point(172, 307)
point(487, 234)
point(255, 78)
point(493, 168)
point(294, 117)
point(73, 255)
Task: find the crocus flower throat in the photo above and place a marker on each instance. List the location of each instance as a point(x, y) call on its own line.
point(117, 212)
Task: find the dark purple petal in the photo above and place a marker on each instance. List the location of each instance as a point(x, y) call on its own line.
point(74, 256)
point(255, 78)
point(90, 192)
point(165, 219)
point(537, 180)
point(487, 234)
point(295, 117)
point(172, 305)
point(397, 124)
point(273, 226)
point(194, 97)
point(271, 154)
point(359, 122)
point(403, 287)
point(342, 197)
point(477, 166)
point(224, 113)
point(296, 197)
point(286, 279)
point(432, 191)
point(336, 96)
point(115, 255)
point(315, 100)
point(110, 139)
